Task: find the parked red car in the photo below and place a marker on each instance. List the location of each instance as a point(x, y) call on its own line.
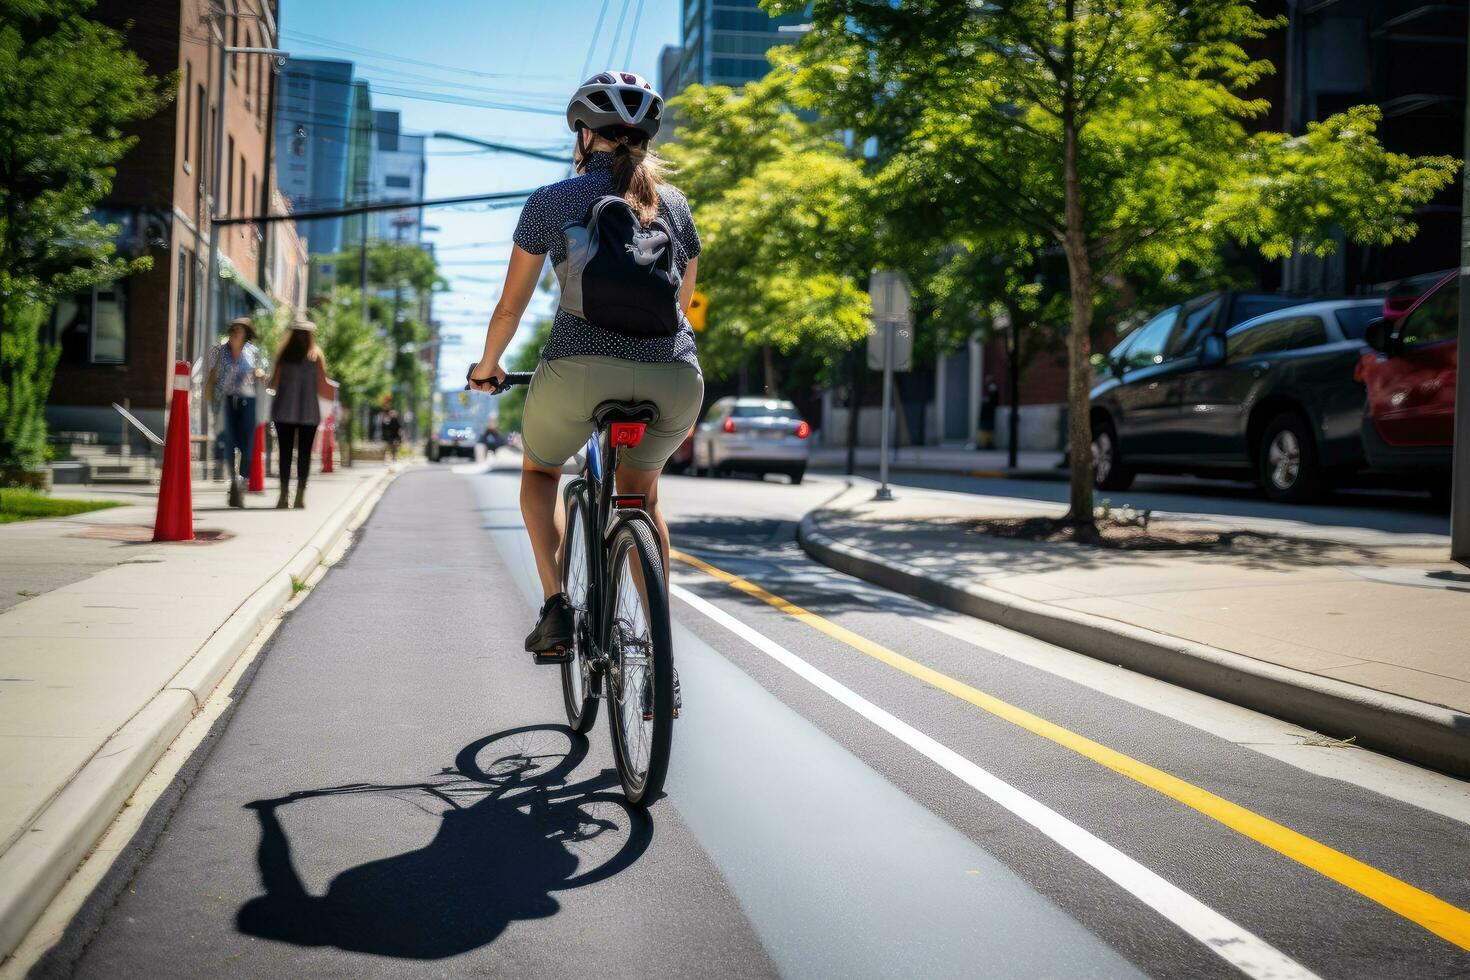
point(1409, 417)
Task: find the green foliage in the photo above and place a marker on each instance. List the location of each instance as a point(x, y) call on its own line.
point(1115, 129)
point(70, 86)
point(357, 356)
point(26, 369)
point(785, 224)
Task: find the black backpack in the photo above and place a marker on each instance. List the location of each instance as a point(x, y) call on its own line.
point(619, 274)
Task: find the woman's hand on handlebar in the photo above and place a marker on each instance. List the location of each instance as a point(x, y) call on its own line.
point(485, 376)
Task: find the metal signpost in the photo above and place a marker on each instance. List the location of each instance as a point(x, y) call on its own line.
point(891, 348)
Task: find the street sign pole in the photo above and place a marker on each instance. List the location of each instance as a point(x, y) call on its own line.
point(883, 492)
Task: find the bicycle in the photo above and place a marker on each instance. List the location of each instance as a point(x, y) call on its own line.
point(612, 572)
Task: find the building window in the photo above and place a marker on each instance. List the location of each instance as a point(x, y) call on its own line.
point(229, 175)
point(188, 111)
point(244, 201)
point(249, 74)
point(394, 180)
point(90, 327)
point(181, 311)
point(254, 200)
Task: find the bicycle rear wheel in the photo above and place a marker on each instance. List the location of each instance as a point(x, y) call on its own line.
point(641, 655)
point(576, 582)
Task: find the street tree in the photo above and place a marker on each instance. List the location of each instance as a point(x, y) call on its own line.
point(1116, 129)
point(71, 88)
point(786, 231)
point(356, 353)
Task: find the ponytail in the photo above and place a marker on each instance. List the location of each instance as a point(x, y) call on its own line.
point(637, 172)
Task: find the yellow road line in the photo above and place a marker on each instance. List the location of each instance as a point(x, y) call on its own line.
point(1418, 906)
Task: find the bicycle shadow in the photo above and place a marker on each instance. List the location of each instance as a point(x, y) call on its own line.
point(514, 833)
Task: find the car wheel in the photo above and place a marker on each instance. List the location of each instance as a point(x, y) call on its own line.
point(797, 474)
point(1108, 471)
point(1288, 460)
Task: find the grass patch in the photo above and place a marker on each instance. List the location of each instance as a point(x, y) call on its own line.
point(28, 505)
point(298, 586)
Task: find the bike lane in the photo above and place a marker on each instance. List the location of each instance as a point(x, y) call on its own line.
point(1344, 803)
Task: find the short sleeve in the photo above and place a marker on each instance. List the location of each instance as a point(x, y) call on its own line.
point(684, 223)
point(536, 231)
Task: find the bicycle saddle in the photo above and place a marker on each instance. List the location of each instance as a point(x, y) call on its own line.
point(615, 411)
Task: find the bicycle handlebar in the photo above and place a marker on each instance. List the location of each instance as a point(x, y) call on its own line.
point(512, 378)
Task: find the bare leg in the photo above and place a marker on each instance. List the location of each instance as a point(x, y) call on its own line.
point(646, 483)
point(543, 521)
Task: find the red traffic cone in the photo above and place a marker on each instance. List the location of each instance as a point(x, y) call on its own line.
point(175, 518)
point(257, 461)
point(329, 442)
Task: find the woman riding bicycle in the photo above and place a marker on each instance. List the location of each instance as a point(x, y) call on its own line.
point(614, 116)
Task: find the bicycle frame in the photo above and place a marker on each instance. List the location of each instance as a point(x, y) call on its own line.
point(596, 484)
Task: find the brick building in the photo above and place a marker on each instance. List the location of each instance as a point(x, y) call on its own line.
point(119, 341)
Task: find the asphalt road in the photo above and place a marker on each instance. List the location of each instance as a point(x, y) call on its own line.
point(861, 786)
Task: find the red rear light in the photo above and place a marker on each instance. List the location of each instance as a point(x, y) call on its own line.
point(729, 425)
point(627, 434)
point(803, 430)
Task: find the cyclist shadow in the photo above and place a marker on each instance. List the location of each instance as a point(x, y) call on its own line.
point(514, 832)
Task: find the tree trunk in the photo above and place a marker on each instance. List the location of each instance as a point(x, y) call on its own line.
point(1013, 369)
point(1079, 344)
point(768, 365)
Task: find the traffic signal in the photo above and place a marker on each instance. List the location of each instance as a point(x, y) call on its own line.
point(698, 303)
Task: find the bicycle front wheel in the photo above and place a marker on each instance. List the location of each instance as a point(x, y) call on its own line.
point(641, 655)
point(576, 582)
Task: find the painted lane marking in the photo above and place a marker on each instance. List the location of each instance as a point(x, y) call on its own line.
point(1237, 946)
point(1420, 907)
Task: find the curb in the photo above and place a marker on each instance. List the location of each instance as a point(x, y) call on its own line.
point(1422, 733)
point(1048, 475)
point(33, 869)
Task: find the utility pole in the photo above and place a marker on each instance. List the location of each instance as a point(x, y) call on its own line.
point(211, 284)
point(1460, 438)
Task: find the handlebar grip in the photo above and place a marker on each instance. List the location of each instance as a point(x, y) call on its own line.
point(512, 378)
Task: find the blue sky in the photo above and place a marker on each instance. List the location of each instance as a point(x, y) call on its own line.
point(524, 54)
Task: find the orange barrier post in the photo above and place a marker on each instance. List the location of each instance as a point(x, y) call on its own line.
point(174, 520)
point(329, 441)
point(257, 461)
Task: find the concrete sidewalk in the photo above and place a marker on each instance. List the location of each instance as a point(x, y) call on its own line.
point(1361, 634)
point(989, 463)
point(109, 643)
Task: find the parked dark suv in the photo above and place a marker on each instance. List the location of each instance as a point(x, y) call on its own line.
point(1273, 398)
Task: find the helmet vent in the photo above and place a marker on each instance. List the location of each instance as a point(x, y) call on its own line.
point(632, 101)
point(601, 101)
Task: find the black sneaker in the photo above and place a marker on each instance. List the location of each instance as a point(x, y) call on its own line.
point(551, 640)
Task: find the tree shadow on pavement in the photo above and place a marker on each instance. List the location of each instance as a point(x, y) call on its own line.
point(514, 832)
point(987, 547)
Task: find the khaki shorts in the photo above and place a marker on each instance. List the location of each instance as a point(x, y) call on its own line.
point(564, 391)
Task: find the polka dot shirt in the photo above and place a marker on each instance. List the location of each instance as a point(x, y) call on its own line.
point(539, 232)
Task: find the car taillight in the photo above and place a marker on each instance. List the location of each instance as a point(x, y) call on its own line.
point(729, 425)
point(803, 430)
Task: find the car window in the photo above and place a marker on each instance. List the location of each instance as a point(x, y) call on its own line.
point(761, 410)
point(1436, 318)
point(1354, 320)
point(1191, 326)
point(714, 413)
point(1250, 307)
point(1146, 346)
point(1274, 336)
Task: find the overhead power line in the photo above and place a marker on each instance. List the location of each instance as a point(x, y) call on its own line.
point(506, 198)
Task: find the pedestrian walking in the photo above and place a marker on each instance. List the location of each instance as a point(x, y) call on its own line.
point(234, 371)
point(392, 434)
point(300, 376)
point(989, 402)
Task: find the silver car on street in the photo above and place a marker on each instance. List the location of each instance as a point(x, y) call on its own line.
point(754, 435)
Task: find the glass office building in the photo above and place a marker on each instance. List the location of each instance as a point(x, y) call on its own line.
point(725, 41)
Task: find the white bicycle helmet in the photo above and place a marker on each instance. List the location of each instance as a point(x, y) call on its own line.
point(616, 100)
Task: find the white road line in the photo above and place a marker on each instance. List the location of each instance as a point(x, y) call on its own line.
point(1242, 949)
